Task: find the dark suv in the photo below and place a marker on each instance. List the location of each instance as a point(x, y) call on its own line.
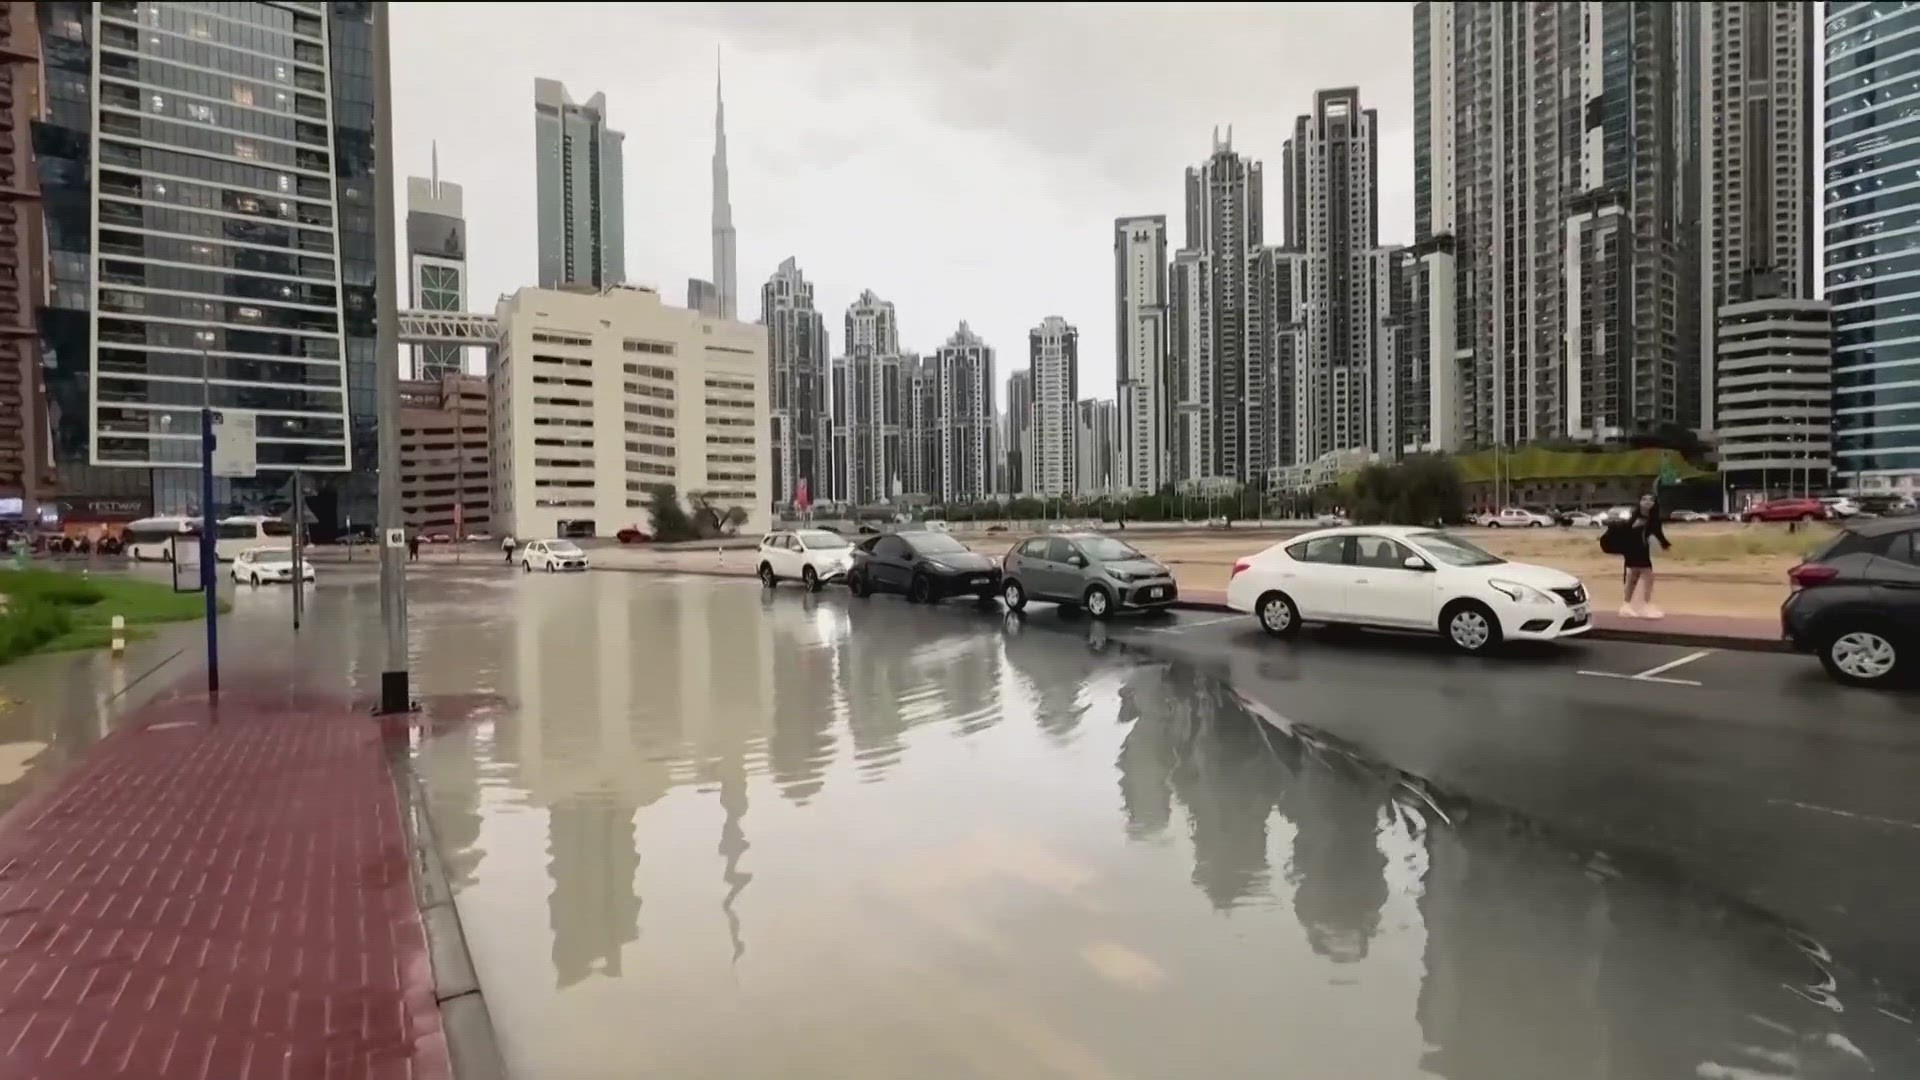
point(1856, 604)
point(922, 566)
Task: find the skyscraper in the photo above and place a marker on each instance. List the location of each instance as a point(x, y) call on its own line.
point(1756, 243)
point(1096, 453)
point(26, 470)
point(1053, 351)
point(151, 290)
point(797, 384)
point(1019, 432)
point(870, 412)
point(436, 264)
point(1556, 207)
point(964, 422)
point(1871, 210)
point(1222, 411)
point(1333, 196)
point(1142, 390)
point(580, 170)
point(725, 283)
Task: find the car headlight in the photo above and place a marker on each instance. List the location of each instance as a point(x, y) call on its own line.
point(1521, 594)
point(938, 567)
point(1121, 575)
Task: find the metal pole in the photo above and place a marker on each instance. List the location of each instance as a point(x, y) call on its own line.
point(299, 549)
point(209, 552)
point(395, 695)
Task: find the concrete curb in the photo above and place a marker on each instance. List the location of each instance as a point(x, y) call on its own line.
point(464, 1020)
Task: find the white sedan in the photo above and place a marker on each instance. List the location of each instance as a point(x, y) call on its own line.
point(1401, 578)
point(262, 565)
point(812, 556)
point(552, 555)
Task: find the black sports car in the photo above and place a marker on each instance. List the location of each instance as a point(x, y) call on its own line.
point(923, 567)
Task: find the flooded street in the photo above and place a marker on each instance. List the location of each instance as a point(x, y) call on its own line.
point(713, 831)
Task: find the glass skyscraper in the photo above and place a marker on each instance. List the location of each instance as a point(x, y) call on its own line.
point(579, 169)
point(225, 254)
point(1873, 240)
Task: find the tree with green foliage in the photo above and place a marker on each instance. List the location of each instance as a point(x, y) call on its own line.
point(670, 520)
point(1425, 489)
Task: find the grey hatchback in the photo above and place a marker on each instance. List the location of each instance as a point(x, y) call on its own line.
point(1087, 570)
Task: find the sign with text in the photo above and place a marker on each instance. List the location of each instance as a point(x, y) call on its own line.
point(233, 444)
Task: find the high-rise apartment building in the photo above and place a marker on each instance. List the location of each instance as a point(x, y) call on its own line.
point(1872, 212)
point(1223, 414)
point(1774, 361)
point(26, 469)
point(1018, 433)
point(725, 282)
point(1756, 193)
point(599, 398)
point(580, 167)
point(1556, 193)
point(870, 410)
point(963, 471)
point(802, 430)
point(1096, 454)
point(1053, 351)
point(1333, 194)
point(224, 255)
point(436, 265)
point(1277, 320)
point(1141, 371)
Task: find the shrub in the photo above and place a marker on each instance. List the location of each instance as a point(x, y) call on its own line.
point(27, 624)
point(50, 587)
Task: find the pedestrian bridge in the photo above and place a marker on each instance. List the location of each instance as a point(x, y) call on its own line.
point(418, 327)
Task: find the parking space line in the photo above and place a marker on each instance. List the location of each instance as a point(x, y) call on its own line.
point(1872, 818)
point(1193, 625)
point(1655, 674)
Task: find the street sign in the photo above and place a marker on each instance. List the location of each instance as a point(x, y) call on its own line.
point(396, 538)
point(233, 444)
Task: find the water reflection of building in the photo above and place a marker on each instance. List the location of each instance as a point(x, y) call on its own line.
point(1057, 680)
point(893, 680)
point(801, 743)
point(1338, 871)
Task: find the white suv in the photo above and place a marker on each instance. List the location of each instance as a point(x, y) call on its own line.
point(1400, 578)
point(552, 555)
point(812, 556)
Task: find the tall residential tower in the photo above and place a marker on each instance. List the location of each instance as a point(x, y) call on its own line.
point(1222, 414)
point(797, 385)
point(1053, 351)
point(1140, 347)
point(580, 170)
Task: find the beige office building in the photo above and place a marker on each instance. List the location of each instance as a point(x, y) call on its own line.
point(444, 477)
point(598, 396)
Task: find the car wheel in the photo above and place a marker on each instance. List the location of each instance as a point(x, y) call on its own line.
point(921, 591)
point(1862, 656)
point(549, 565)
point(1493, 525)
point(254, 581)
point(1278, 615)
point(766, 575)
point(526, 567)
point(1013, 595)
point(1470, 626)
point(811, 578)
point(1098, 602)
point(857, 585)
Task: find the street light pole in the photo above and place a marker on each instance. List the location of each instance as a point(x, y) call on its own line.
point(395, 695)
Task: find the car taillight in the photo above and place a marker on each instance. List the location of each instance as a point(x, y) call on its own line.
point(1807, 575)
point(1239, 565)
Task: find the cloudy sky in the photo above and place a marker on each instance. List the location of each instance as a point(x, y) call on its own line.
point(964, 162)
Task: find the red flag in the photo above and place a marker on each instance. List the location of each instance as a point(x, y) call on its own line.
point(802, 497)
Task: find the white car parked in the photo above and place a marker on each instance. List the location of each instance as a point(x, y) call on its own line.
point(812, 556)
point(1402, 578)
point(552, 555)
point(1515, 517)
point(264, 565)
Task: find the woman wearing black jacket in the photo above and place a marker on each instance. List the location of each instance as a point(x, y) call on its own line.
point(1643, 528)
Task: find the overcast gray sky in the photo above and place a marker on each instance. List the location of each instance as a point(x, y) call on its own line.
point(964, 162)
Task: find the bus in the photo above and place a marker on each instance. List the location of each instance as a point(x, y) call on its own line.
point(153, 539)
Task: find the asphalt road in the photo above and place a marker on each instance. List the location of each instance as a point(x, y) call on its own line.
point(1746, 774)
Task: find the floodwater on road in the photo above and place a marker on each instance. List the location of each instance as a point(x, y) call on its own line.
point(713, 831)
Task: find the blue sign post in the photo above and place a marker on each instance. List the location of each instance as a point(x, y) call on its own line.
point(209, 550)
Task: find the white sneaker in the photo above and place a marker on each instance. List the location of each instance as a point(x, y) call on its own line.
point(1651, 612)
point(1627, 611)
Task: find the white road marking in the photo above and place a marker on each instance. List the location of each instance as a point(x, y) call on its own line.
point(1653, 674)
point(1874, 818)
point(1664, 668)
point(1193, 625)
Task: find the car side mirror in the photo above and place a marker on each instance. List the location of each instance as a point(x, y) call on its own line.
point(1415, 562)
point(1078, 561)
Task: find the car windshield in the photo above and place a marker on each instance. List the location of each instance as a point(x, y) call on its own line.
point(275, 555)
point(562, 547)
point(1454, 551)
point(932, 543)
point(1107, 549)
point(823, 541)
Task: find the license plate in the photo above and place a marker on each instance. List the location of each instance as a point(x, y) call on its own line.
point(977, 581)
point(1156, 593)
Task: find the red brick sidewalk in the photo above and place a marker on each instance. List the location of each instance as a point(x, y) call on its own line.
point(221, 894)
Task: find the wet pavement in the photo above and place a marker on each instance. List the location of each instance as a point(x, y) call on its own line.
point(714, 831)
point(699, 829)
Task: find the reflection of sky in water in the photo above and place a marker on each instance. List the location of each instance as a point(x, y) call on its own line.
point(723, 832)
